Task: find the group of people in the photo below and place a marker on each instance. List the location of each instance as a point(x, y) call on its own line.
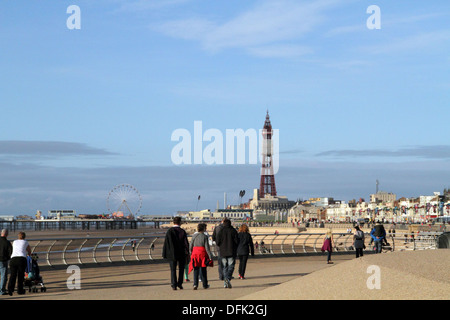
point(13, 256)
point(231, 245)
point(377, 234)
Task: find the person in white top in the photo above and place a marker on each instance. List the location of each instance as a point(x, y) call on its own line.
point(18, 264)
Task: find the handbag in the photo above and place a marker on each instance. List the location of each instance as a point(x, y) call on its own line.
point(209, 263)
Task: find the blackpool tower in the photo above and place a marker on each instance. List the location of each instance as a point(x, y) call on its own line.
point(267, 185)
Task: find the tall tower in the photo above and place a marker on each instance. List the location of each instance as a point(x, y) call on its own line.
point(267, 185)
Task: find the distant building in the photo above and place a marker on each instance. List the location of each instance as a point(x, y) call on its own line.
point(61, 214)
point(446, 195)
point(302, 212)
point(240, 214)
point(382, 196)
point(323, 201)
point(234, 213)
point(269, 203)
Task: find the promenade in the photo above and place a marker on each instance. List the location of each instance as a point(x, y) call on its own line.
point(422, 275)
point(151, 281)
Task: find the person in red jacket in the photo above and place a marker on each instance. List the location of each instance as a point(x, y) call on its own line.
point(328, 244)
point(201, 256)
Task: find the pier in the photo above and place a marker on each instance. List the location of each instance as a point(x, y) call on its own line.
point(73, 224)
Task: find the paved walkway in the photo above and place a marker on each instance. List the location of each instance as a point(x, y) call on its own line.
point(421, 275)
point(150, 281)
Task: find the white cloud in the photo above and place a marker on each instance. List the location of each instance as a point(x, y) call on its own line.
point(389, 22)
point(422, 41)
point(280, 51)
point(48, 148)
point(346, 29)
point(261, 31)
point(425, 152)
point(187, 29)
point(142, 5)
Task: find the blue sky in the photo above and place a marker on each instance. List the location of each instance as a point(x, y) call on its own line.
point(84, 110)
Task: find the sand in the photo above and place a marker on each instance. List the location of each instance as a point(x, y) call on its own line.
point(422, 275)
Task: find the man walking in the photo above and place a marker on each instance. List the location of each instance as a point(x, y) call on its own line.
point(219, 258)
point(5, 256)
point(175, 249)
point(228, 240)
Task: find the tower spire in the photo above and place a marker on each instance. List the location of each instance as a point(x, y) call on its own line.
point(267, 184)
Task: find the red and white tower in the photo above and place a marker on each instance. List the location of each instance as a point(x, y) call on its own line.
point(267, 185)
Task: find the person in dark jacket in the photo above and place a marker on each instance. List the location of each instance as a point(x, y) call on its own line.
point(358, 242)
point(5, 256)
point(175, 249)
point(378, 235)
point(219, 258)
point(227, 240)
point(245, 247)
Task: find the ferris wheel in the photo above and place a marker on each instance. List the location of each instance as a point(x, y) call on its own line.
point(124, 198)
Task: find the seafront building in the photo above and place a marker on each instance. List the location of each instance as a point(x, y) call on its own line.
point(266, 204)
point(383, 196)
point(420, 209)
point(240, 214)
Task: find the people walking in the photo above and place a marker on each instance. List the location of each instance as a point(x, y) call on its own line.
point(392, 230)
point(175, 250)
point(200, 256)
point(227, 240)
point(18, 264)
point(5, 256)
point(328, 244)
point(358, 242)
point(244, 249)
point(219, 258)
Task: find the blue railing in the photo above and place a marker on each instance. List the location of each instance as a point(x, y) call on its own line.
point(100, 250)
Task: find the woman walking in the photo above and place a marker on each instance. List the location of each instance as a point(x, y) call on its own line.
point(328, 244)
point(18, 264)
point(245, 247)
point(200, 256)
point(358, 241)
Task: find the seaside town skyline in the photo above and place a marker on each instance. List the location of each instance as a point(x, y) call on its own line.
point(91, 95)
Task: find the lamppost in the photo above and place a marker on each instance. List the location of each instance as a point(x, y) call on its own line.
point(198, 199)
point(241, 195)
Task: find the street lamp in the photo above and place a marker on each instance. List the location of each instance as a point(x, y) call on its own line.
point(241, 195)
point(198, 199)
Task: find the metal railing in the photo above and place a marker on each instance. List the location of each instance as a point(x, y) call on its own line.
point(80, 251)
